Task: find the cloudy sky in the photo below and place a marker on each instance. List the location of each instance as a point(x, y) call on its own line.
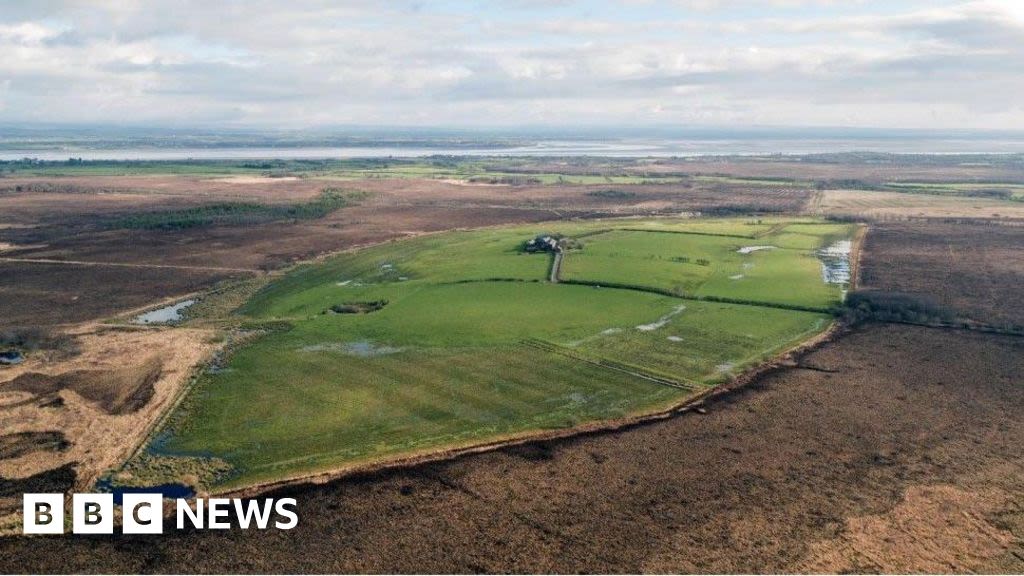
point(300, 64)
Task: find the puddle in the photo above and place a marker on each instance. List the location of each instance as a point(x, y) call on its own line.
point(11, 357)
point(611, 331)
point(661, 321)
point(736, 277)
point(749, 249)
point(345, 283)
point(835, 262)
point(165, 315)
point(170, 491)
point(675, 339)
point(362, 349)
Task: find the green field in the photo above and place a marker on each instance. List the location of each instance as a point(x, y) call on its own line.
point(468, 341)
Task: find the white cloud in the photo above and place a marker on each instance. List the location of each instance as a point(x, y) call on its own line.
point(272, 62)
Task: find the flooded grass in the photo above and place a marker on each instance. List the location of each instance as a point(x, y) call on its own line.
point(835, 262)
point(751, 249)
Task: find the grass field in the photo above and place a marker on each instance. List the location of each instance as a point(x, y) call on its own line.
point(469, 342)
point(782, 270)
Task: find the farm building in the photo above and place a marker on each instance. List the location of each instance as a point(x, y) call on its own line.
point(543, 243)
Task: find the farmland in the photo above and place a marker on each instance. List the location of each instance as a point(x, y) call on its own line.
point(449, 340)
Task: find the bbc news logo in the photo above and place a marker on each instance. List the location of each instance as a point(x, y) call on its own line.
point(143, 513)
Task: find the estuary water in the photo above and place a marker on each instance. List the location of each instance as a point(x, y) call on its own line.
point(618, 148)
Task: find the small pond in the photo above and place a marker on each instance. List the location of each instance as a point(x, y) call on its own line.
point(165, 315)
point(11, 357)
point(170, 491)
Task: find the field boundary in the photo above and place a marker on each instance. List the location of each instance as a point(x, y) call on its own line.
point(719, 299)
point(687, 232)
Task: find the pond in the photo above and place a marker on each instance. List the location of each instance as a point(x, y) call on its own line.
point(170, 491)
point(11, 357)
point(165, 315)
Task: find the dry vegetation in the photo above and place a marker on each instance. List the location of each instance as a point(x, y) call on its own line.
point(877, 205)
point(90, 410)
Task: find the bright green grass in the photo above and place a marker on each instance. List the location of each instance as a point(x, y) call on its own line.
point(712, 266)
point(280, 411)
point(447, 361)
point(484, 314)
point(705, 341)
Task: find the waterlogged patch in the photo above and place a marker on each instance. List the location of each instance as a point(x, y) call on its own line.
point(674, 339)
point(835, 262)
point(749, 249)
point(735, 276)
point(344, 283)
point(661, 321)
point(726, 367)
point(362, 349)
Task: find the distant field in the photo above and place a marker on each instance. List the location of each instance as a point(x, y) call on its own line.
point(462, 339)
point(881, 204)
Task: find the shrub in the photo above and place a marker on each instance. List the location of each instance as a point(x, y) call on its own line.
point(871, 305)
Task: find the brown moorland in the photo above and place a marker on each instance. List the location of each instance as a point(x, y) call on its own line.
point(975, 268)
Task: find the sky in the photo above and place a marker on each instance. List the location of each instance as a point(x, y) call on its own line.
point(507, 63)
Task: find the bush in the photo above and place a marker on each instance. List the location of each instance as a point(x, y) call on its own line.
point(240, 213)
point(870, 305)
point(612, 194)
point(358, 307)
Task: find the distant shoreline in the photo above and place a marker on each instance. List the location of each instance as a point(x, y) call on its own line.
point(632, 148)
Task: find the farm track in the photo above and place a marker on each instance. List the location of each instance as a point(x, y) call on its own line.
point(556, 267)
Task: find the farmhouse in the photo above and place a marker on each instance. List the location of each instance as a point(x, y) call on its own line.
point(544, 243)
